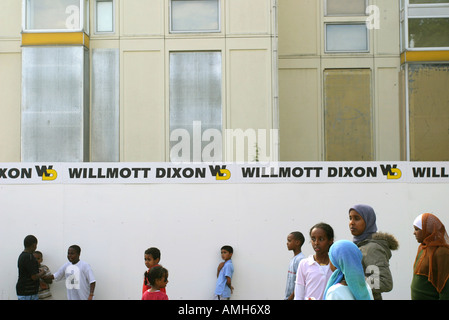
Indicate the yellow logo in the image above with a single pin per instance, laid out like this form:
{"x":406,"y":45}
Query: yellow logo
{"x":225,"y":174}
{"x":394,"y":173}
{"x":49,"y":175}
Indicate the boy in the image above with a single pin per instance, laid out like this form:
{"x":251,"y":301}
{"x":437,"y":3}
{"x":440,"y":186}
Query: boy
{"x":225,"y":270}
{"x":152,"y":257}
{"x":295,"y":240}
{"x":80,"y":281}
{"x":44,"y":285}
{"x":27,"y":286}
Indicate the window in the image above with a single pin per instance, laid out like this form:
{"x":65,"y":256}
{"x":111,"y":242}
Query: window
{"x":348,"y":124}
{"x":195,"y":106}
{"x":345,"y":26}
{"x":104,"y":16}
{"x":428,"y":32}
{"x":345,"y":7}
{"x":347,"y":38}
{"x":195,"y":16}
{"x":424,"y":24}
{"x":59,"y":15}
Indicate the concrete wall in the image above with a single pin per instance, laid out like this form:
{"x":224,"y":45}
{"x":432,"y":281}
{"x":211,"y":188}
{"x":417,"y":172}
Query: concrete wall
{"x":114,"y":224}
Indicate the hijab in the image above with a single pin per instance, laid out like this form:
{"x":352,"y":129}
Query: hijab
{"x":369,"y":216}
{"x":433,"y":263}
{"x":347,"y":259}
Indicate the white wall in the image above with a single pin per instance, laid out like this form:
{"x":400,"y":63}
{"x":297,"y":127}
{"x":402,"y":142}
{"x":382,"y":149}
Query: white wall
{"x":114,"y":224}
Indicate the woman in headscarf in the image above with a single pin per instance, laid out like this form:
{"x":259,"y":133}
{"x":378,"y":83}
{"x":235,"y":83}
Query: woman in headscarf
{"x":375,"y":247}
{"x":431,"y":267}
{"x":348,"y":278}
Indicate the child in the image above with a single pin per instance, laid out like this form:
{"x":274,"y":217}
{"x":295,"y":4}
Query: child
{"x":314,"y":271}
{"x":295,"y":240}
{"x":348,"y":278}
{"x":80,"y":281}
{"x":225,"y":270}
{"x":157,"y":278}
{"x":152,"y":257}
{"x":44,"y":285}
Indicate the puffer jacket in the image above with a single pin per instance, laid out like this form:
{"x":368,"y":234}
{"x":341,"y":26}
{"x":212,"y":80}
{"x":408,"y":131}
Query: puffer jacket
{"x":376,"y":256}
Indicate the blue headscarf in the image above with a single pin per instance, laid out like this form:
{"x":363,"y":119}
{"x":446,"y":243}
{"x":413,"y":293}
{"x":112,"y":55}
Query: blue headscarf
{"x":368,"y":214}
{"x":347,"y":258}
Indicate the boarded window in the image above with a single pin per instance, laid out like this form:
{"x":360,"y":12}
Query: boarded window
{"x":195,"y":104}
{"x":348,"y":124}
{"x":429,"y":112}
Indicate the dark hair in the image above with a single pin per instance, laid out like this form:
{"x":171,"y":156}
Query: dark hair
{"x":29,"y":241}
{"x":327,"y":229}
{"x":76,"y":248}
{"x":228,"y":249}
{"x":155,"y":273}
{"x":298,"y":236}
{"x":155,"y":252}
{"x":38,"y":253}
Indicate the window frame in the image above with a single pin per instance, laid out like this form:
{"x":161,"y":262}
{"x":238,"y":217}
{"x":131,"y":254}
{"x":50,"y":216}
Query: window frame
{"x":170,"y":18}
{"x":417,"y":11}
{"x":327,"y":51}
{"x":83,"y":20}
{"x":326,"y":14}
{"x":96,"y":18}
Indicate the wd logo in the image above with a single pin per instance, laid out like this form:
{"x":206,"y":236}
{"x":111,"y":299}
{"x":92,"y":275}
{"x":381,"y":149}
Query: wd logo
{"x":392,"y":172}
{"x":47,"y":174}
{"x":225,"y":174}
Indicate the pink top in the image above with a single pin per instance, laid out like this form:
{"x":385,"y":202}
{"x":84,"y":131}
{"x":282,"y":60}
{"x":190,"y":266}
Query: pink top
{"x":156,"y":295}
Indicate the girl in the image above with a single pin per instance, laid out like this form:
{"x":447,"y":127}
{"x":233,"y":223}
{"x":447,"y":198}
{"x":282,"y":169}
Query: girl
{"x":431,"y":267}
{"x":314,"y":271}
{"x":348,"y":279}
{"x":158,"y":279}
{"x":375,"y":246}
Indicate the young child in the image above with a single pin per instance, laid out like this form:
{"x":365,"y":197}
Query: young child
{"x":157,"y":278}
{"x":152,"y":257}
{"x":79,"y":277}
{"x":225,"y":270}
{"x":314,"y":271}
{"x":348,"y":278}
{"x":295,"y":240}
{"x":44,"y":284}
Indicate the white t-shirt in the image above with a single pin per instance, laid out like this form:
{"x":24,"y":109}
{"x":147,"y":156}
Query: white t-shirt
{"x":78,"y":278}
{"x":311,"y":279}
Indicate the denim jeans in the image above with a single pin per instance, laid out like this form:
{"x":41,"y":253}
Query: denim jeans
{"x":32,"y":297}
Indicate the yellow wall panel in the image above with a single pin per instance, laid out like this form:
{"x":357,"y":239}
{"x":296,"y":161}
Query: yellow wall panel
{"x":298,"y":27}
{"x":248,"y":17}
{"x":299,"y":114}
{"x":142,"y":17}
{"x":142,"y":110}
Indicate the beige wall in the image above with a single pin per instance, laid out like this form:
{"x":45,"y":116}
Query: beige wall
{"x":302,"y":62}
{"x":143,"y":39}
{"x":10,"y":79}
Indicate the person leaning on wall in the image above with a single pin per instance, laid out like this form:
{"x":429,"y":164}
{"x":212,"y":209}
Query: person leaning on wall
{"x":431,"y":266}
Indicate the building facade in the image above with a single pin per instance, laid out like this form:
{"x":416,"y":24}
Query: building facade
{"x":224,"y":80}
{"x":136,"y":80}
